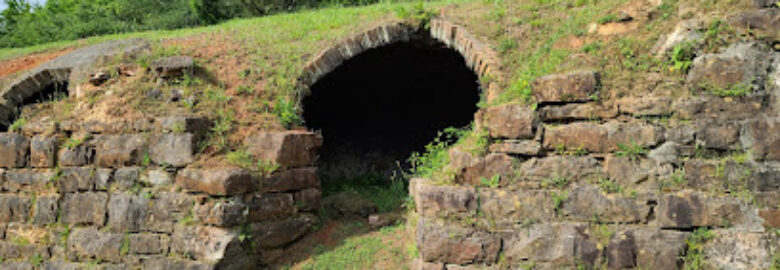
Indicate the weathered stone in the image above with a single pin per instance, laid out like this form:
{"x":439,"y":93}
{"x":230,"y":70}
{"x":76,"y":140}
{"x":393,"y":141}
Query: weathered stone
{"x":764,"y":3}
{"x":349,"y":203}
{"x":659,"y":249}
{"x":383,"y":219}
{"x":510,"y":121}
{"x":525,"y":147}
{"x":669,"y":152}
{"x":45,"y":211}
{"x":763,"y":138}
{"x":771,"y":217}
{"x":570,"y":167}
{"x":167,"y":263}
{"x":645,"y":106}
{"x":459,"y":159}
{"x":165,"y":210}
{"x":718,"y":135}
{"x":80,"y":155}
{"x":126,"y":212}
{"x":680,"y":134}
{"x":622,"y":251}
{"x":723,"y":109}
{"x":293,"y":179}
{"x":633,"y":133}
{"x":288,"y":149}
{"x":689,"y":209}
{"x":221,"y":213}
{"x":642,"y":173}
{"x":734,"y":249}
{"x":16,"y":266}
{"x":14,"y":208}
{"x":739,"y":64}
{"x":271,"y":206}
{"x":84,"y":208}
{"x":27,"y":180}
{"x":760,"y":22}
{"x":15,"y":149}
{"x":158,"y":178}
{"x":685,"y":32}
{"x":576,"y":86}
{"x":22,"y":251}
{"x":308,"y":199}
{"x":146,"y":244}
{"x":126,"y":178}
{"x":89,"y":243}
{"x":576,"y":111}
{"x":210,"y":244}
{"x":493,"y":165}
{"x":434,"y":200}
{"x":115,"y":151}
{"x":587,"y":136}
{"x":510,"y":210}
{"x":561,"y":244}
{"x":196,"y":125}
{"x":216,"y":181}
{"x":42,"y":151}
{"x":585,"y":202}
{"x":271,"y":234}
{"x":173,"y":67}
{"x":176,"y":150}
{"x":453,"y":244}
{"x":84,"y":179}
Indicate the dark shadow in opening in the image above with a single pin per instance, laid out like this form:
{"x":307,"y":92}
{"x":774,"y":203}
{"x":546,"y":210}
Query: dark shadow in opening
{"x":382,"y":105}
{"x":54,"y":91}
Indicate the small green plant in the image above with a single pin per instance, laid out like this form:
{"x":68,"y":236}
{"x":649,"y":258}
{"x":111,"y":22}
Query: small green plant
{"x":245,"y":90}
{"x":287,"y":113}
{"x":607,"y":19}
{"x":492,"y":182}
{"x":591,"y":47}
{"x":36,"y":260}
{"x":418,"y":14}
{"x":146,"y":159}
{"x":17,"y":125}
{"x":507,"y":44}
{"x":694,"y":257}
{"x":633,"y":150}
{"x":124,"y":249}
{"x":602,"y":233}
{"x":556,"y":181}
{"x":244,"y":159}
{"x":72,"y":142}
{"x":609,"y":186}
{"x":435,"y":157}
{"x":681,"y":58}
{"x":558,"y":199}
{"x":735,"y":90}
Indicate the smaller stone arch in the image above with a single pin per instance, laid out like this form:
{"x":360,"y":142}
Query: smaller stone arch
{"x":76,"y":66}
{"x":480,"y":57}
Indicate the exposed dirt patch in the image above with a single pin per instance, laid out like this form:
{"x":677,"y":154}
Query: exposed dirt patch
{"x":26,"y":62}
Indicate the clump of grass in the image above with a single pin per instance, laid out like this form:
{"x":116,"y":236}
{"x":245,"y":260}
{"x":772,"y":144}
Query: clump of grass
{"x":558,"y":199}
{"x":681,"y":58}
{"x":74,"y":142}
{"x":244,"y":159}
{"x":435,"y":157}
{"x":609,"y":186}
{"x":492,"y":182}
{"x":608,"y":19}
{"x":556,"y":181}
{"x":17,"y":125}
{"x":694,"y":257}
{"x":735,"y":90}
{"x":387,"y":193}
{"x":632,"y":150}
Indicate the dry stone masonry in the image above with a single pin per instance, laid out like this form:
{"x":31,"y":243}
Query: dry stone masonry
{"x":617,"y":184}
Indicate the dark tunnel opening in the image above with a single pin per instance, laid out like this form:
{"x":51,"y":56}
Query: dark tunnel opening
{"x":379,"y":107}
{"x":53,"y":91}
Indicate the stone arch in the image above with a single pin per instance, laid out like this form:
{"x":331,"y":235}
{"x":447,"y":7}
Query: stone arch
{"x":64,"y":73}
{"x":421,"y":81}
{"x":478,"y":55}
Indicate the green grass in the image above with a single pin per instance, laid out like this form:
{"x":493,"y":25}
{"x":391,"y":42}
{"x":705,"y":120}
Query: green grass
{"x":366,"y":252}
{"x":694,"y":256}
{"x":735,"y":90}
{"x":632,"y":150}
{"x":387,"y":194}
{"x":17,"y":125}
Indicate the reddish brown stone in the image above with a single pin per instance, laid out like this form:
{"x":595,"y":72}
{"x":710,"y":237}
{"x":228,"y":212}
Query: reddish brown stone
{"x":493,"y":165}
{"x":289,"y":148}
{"x":771,"y":217}
{"x":511,"y":121}
{"x":216,"y":181}
{"x":576,"y":86}
{"x":294,"y":179}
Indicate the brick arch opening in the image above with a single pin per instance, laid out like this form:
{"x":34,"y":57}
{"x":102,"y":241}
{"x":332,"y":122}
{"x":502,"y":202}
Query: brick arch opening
{"x":386,"y":93}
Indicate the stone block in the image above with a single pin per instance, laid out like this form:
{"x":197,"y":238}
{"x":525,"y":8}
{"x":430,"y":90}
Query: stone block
{"x":27,"y":180}
{"x":196,"y":125}
{"x":739,"y":64}
{"x":440,"y":243}
{"x":307,"y":199}
{"x":165,"y":210}
{"x":209,"y":244}
{"x":23,"y":252}
{"x":688,"y":209}
{"x":80,"y":155}
{"x":736,"y":249}
{"x":289,"y":149}
{"x":560,"y":244}
{"x":114,"y":151}
{"x":15,"y":149}
{"x":762,"y":138}
{"x":84,"y":208}
{"x":45,"y":211}
{"x":127,"y":177}
{"x":510,"y":121}
{"x":271,"y":206}
{"x":127,"y":212}
{"x":587,"y":201}
{"x":714,"y":134}
{"x":576,"y":111}
{"x":177,"y":150}
{"x":645,"y":106}
{"x":14,"y":208}
{"x":293,"y":179}
{"x":571,"y":167}
{"x":602,"y":138}
{"x":148,"y":244}
{"x":84,"y":179}
{"x":659,"y":249}
{"x":42,"y":151}
{"x":570,"y":87}
{"x":517,"y":147}
{"x":173,"y":67}
{"x":158,"y":177}
{"x":492,"y":165}
{"x":88,"y":243}
{"x":220,"y":213}
{"x":277,"y":233}
{"x":216,"y":181}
